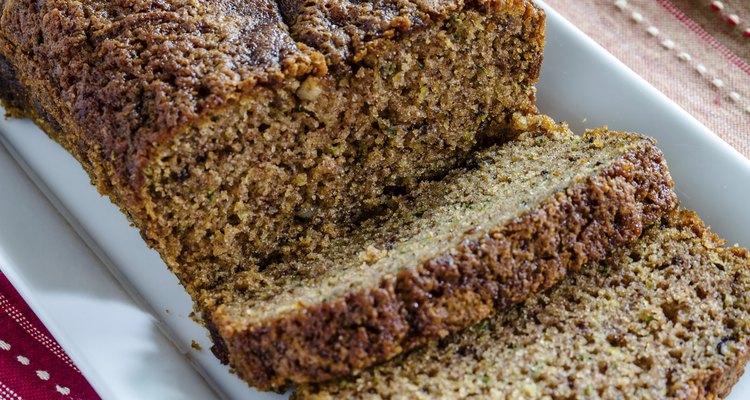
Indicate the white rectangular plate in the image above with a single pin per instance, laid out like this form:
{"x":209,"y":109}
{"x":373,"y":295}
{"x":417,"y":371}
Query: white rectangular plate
{"x":116,"y":343}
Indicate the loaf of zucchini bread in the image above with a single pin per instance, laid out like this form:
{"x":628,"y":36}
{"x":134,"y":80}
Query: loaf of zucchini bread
{"x":454,"y":251}
{"x":323,"y":176}
{"x":665,"y":318}
{"x":223,"y":128}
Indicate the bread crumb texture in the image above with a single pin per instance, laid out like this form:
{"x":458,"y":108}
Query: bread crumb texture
{"x":512,"y":222}
{"x":240,"y":135}
{"x":234,"y":133}
{"x":667,"y":317}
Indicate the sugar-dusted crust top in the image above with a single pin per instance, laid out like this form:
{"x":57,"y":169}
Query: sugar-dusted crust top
{"x":125,"y":74}
{"x":345,"y":30}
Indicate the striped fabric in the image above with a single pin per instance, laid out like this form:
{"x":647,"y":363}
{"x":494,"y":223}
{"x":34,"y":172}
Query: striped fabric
{"x":32,"y":365}
{"x":697,"y":52}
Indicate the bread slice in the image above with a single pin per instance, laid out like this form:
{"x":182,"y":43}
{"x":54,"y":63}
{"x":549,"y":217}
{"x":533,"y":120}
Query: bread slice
{"x":668,"y":317}
{"x":448,"y":255}
{"x":222,"y":128}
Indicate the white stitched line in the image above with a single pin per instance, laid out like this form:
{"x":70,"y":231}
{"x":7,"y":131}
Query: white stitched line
{"x":670,"y":44}
{"x":62,"y":389}
{"x":8,"y":393}
{"x":35,"y":333}
{"x":730,"y":17}
{"x":685,"y":56}
{"x":43,"y":375}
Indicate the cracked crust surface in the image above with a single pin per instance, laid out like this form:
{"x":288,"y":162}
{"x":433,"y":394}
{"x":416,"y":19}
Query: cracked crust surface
{"x":667,"y":317}
{"x":345,"y":31}
{"x":122,"y":76}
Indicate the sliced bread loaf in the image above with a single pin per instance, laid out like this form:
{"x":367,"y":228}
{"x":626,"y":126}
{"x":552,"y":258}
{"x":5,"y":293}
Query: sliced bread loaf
{"x":222,"y":128}
{"x":446,"y":256}
{"x":668,"y":317}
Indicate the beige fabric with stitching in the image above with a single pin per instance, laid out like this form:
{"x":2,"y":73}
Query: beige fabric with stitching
{"x":629,"y":41}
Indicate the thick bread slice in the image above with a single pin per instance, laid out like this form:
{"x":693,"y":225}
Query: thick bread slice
{"x":452,"y":253}
{"x":668,"y":317}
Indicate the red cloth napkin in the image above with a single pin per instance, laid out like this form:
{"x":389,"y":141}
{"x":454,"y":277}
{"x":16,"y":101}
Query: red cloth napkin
{"x":32,"y":365}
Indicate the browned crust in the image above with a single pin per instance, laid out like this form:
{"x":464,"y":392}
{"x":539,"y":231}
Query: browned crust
{"x":12,"y":94}
{"x":121,"y":78}
{"x":713,"y":383}
{"x":459,"y":288}
{"x":717,"y":383}
{"x":14,"y":97}
{"x":346,"y":30}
